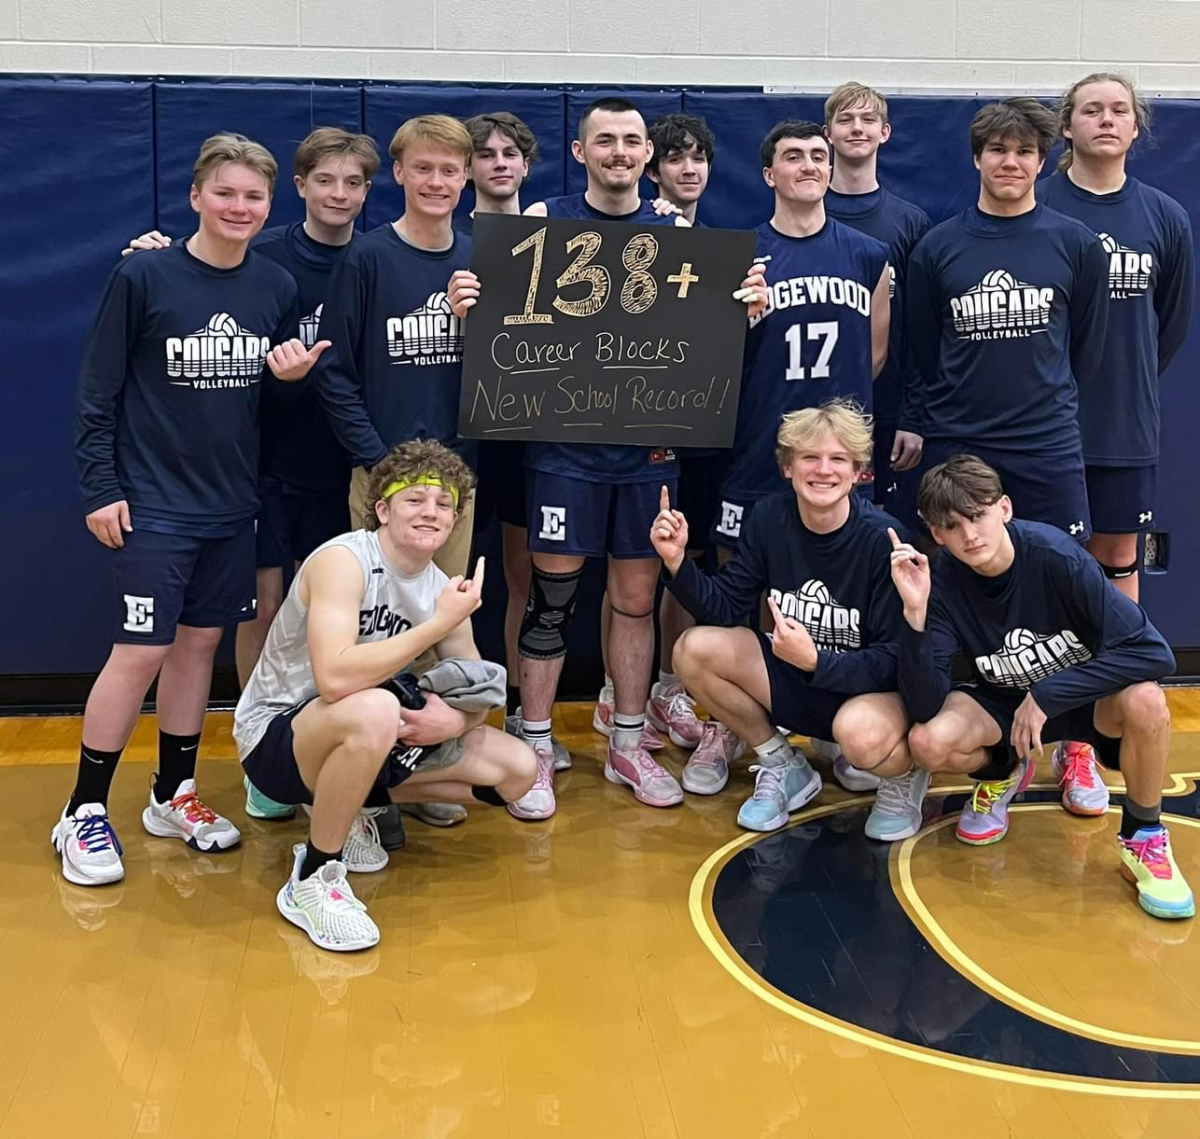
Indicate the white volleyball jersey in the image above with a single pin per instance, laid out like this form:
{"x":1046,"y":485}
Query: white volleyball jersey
{"x":283,"y":677}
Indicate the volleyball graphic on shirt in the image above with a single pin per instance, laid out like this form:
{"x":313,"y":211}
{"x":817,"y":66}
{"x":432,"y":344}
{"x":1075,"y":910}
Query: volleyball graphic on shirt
{"x":221,"y":350}
{"x":1001,"y":307}
{"x":1130,"y":273}
{"x":830,"y":624}
{"x":430,"y":334}
{"x":1028,"y":657}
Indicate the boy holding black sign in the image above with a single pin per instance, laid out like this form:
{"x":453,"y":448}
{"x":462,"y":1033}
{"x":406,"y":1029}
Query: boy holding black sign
{"x":595,"y":500}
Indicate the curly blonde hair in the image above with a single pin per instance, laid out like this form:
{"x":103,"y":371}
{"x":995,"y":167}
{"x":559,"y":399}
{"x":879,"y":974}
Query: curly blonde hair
{"x":411,"y":460}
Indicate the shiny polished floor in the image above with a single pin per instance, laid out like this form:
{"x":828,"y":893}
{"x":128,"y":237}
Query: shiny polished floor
{"x":617,"y":972}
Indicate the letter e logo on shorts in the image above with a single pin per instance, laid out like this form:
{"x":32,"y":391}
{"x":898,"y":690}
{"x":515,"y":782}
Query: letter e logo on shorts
{"x":554,"y":524}
{"x":139,"y":614}
{"x":731,"y":519}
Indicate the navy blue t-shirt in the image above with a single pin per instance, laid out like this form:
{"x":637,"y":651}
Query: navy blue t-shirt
{"x":167,"y":414}
{"x":811,"y":343}
{"x":899,"y":225}
{"x":1006,"y":317}
{"x":1051,"y":624}
{"x":394,"y":371}
{"x":299,"y":450}
{"x":837,"y":585}
{"x":1147,"y":238}
{"x":603,"y":462}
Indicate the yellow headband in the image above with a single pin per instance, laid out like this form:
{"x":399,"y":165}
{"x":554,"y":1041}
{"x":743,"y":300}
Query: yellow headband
{"x":427,"y":479}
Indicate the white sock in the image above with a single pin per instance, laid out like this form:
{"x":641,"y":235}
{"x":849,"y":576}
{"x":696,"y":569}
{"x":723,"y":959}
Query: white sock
{"x":775,"y":752}
{"x":627,"y":732}
{"x":535,"y":729}
{"x":667,"y":680}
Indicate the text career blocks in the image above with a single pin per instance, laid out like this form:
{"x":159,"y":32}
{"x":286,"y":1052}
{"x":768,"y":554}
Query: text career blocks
{"x":604,"y":332}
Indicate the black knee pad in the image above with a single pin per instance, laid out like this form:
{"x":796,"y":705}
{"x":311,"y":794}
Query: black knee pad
{"x":1115,"y":573}
{"x":489,"y":795}
{"x":1108,"y":750}
{"x":551,"y":604}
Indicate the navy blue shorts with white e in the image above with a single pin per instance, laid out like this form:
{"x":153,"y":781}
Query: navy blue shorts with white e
{"x":796,"y":704}
{"x":590,"y":519}
{"x":1122,"y":498}
{"x":165,"y":580}
{"x":1049,"y":489}
{"x":292,"y":525}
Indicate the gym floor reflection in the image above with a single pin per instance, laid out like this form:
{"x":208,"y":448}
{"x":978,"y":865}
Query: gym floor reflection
{"x":618,"y":972}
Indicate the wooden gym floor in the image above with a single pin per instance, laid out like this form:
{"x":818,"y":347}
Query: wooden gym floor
{"x":616,"y":972}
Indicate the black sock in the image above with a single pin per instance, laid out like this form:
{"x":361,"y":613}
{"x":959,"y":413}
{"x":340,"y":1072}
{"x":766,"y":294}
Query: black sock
{"x":96,"y":771}
{"x":512,"y":701}
{"x":1002,"y":761}
{"x":314,"y":859}
{"x":1134,"y":816}
{"x":176,"y":762}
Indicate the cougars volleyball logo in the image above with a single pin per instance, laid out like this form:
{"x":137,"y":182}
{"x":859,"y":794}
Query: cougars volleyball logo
{"x":1001,"y":308}
{"x":1028,"y":657}
{"x":431,"y":334}
{"x":219,"y":355}
{"x":1129,"y":272}
{"x":830,"y":624}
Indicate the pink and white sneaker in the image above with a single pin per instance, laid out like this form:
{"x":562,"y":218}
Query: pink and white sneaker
{"x":671,"y":710}
{"x":603,"y":716}
{"x":1074,"y":766}
{"x":185,"y":817}
{"x":707,"y":769}
{"x":90,"y":849}
{"x":538,"y":802}
{"x":652,"y":783}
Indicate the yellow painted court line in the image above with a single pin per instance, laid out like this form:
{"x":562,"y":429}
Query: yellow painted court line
{"x":704,"y":921}
{"x":985,"y":980}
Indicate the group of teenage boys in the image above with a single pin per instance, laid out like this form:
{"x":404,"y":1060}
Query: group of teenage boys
{"x":1011,"y":354}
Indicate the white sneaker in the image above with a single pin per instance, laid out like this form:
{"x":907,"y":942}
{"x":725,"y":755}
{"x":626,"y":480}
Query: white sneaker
{"x":324,"y":906}
{"x":852,"y":778}
{"x":562,"y":757}
{"x":363,"y":853}
{"x":538,"y":802}
{"x":186,"y":817}
{"x":91,"y":852}
{"x":896,"y":812}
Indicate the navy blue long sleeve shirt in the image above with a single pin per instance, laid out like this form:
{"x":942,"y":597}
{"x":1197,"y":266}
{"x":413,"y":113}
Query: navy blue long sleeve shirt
{"x":1051,"y":624}
{"x":837,"y":585}
{"x":299,"y":450}
{"x":1147,"y":239}
{"x":603,"y":462}
{"x":1006,"y":318}
{"x":899,"y":225}
{"x":394,"y":371}
{"x":168,"y":400}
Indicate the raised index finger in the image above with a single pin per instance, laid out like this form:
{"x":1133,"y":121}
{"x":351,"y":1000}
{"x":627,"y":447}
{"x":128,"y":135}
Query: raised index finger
{"x":664,"y":499}
{"x":478,"y":579}
{"x":896,"y":543}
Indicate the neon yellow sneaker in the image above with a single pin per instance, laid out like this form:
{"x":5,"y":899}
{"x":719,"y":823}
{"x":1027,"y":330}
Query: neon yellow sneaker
{"x":1146,"y":860}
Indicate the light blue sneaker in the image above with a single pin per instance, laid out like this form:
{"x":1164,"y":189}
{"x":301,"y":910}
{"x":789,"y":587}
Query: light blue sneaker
{"x":778,"y":790}
{"x":260,"y":806}
{"x":896,"y":812}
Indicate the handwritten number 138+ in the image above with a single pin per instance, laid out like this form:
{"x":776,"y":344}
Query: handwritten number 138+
{"x":637,"y":294}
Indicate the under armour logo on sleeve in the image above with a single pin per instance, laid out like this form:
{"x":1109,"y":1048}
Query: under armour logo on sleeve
{"x":1146,"y":516}
{"x":1076,"y":528}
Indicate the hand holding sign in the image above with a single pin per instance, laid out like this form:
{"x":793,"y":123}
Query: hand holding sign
{"x":752,"y":292}
{"x":669,"y":534}
{"x":462,"y":292}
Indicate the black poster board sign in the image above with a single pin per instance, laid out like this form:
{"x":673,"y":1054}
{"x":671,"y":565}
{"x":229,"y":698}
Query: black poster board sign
{"x":604,"y":332}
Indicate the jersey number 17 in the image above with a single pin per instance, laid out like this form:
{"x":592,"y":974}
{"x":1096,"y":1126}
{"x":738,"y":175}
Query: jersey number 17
{"x":825,"y":331}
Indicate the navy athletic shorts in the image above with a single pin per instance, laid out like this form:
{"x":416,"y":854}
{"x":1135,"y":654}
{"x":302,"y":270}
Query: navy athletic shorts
{"x":501,"y":487}
{"x":893,"y":491}
{"x":1050,"y":489}
{"x":700,"y":478}
{"x":1078,"y":724}
{"x":292,"y":525}
{"x":796,"y":703}
{"x":591,"y":519}
{"x":165,"y":580}
{"x":272,"y":766}
{"x":1122,"y":498}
